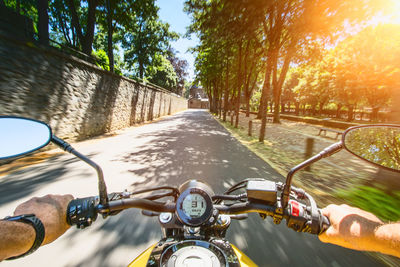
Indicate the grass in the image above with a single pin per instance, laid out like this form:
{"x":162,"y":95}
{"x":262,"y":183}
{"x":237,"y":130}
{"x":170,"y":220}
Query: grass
{"x":326,"y":183}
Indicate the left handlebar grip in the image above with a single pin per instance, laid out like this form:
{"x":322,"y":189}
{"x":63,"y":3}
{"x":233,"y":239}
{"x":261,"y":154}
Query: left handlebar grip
{"x":82,"y":211}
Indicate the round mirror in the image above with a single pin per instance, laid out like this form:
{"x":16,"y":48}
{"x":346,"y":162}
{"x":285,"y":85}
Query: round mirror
{"x":20,"y":136}
{"x":378,"y":144}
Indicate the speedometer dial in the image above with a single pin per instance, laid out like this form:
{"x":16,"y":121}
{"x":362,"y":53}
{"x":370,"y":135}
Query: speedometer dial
{"x":194,"y":205}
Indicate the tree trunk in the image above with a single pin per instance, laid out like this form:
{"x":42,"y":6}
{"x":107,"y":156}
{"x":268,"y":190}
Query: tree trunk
{"x":18,"y":7}
{"x":350,"y":113}
{"x":91,"y":21}
{"x":141,"y":70}
{"x":264,"y":97}
{"x":313,"y":108}
{"x":247,"y":106}
{"x":374,"y":114}
{"x":262,"y":104}
{"x":297,"y":109}
{"x":239,"y":85}
{"x":43,"y":21}
{"x":226,"y":90}
{"x":110,"y":35}
{"x":87,"y":39}
{"x":321,"y":106}
{"x":339,"y":107}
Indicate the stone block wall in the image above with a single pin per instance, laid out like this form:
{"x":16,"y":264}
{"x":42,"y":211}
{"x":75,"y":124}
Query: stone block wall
{"x":77,"y":99}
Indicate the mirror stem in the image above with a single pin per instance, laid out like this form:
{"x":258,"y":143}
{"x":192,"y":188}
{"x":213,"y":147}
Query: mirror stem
{"x":102,"y":185}
{"x":330,"y":150}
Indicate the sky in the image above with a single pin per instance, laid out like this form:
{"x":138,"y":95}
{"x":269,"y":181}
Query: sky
{"x":171,"y":11}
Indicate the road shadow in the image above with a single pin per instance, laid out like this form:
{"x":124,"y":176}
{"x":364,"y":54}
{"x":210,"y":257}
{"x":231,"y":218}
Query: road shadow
{"x":192,"y":145}
{"x":16,"y":185}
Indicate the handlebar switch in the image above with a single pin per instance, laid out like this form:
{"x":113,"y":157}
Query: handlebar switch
{"x":82,"y":211}
{"x":298,"y":216}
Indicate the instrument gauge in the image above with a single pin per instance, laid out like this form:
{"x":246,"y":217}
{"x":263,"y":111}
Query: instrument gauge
{"x":194,"y":205}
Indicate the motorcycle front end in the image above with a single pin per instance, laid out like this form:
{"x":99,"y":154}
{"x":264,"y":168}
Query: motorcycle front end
{"x":194,"y":220}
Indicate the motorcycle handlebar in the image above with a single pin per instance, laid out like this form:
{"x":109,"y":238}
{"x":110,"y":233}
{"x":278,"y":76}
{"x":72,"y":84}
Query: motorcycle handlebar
{"x":82,"y":212}
{"x":140,"y":203}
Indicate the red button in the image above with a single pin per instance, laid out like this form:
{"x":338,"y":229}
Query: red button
{"x":295,"y":208}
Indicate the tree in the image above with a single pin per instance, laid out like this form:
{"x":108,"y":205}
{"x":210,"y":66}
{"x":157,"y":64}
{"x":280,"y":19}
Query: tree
{"x":289,"y":93}
{"x":367,"y":67}
{"x":145,"y":36}
{"x":85,"y":35}
{"x":43,"y":21}
{"x":228,"y":36}
{"x":162,"y":73}
{"x":180,"y":66}
{"x":60,"y":24}
{"x":289,"y":25}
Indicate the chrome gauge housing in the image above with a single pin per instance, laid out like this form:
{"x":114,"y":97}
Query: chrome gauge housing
{"x":194,"y":206}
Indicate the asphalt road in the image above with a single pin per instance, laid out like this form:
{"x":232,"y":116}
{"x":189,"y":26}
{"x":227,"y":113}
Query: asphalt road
{"x":187,"y":145}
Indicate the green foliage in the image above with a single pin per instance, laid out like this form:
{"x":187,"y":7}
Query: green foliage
{"x":355,"y":73}
{"x":133,"y":26}
{"x":101,"y":59}
{"x":144,"y":36}
{"x":255,"y":100}
{"x":375,"y":200}
{"x":162,"y":73}
{"x":246,"y":39}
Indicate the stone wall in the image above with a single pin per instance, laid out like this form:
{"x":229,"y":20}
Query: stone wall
{"x":75,"y":98}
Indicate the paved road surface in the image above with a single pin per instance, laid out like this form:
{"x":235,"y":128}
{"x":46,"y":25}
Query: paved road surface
{"x":188,"y":145}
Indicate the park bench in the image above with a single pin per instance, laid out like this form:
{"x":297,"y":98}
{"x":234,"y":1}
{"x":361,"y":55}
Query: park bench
{"x":330,"y":130}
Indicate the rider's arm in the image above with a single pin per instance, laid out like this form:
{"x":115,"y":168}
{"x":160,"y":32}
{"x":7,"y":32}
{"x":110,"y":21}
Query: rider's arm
{"x":17,"y":237}
{"x":357,"y":229}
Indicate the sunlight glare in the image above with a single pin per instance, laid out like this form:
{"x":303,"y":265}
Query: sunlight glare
{"x":392,"y":18}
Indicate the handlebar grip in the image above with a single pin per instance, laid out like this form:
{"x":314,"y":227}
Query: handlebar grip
{"x":325,"y":223}
{"x":82,"y":211}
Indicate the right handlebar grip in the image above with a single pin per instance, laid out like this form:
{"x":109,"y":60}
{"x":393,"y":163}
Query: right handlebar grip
{"x":325,"y":223}
{"x":82,"y":211}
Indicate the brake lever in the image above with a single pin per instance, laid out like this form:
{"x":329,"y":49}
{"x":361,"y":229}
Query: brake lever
{"x":239,"y":217}
{"x":150,"y":213}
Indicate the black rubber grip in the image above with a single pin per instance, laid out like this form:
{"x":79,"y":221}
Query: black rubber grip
{"x":82,"y":211}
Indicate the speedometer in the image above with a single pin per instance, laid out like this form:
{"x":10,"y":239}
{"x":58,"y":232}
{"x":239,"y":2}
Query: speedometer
{"x":194,"y":205}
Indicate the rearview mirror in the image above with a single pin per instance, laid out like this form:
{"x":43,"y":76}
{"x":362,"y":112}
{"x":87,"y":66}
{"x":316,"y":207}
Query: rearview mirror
{"x":19,"y":136}
{"x":378,"y":144}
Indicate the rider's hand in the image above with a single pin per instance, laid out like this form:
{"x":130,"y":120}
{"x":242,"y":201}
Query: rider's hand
{"x":350,"y":227}
{"x":51,"y":210}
